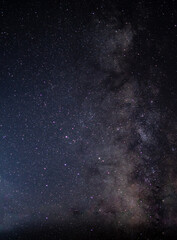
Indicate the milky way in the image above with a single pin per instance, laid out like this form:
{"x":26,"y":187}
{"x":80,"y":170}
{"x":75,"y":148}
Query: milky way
{"x":88,"y":120}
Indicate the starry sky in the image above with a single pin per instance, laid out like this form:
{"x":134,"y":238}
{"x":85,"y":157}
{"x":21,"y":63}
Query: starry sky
{"x":88,"y":124}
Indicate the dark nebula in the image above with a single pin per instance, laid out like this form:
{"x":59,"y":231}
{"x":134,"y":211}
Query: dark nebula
{"x":88,"y":120}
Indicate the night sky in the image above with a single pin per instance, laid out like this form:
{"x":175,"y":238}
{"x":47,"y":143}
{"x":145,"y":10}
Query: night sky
{"x":88,"y":114}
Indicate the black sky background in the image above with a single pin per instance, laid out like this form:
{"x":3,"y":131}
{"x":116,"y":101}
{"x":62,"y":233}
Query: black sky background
{"x":88,"y":114}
